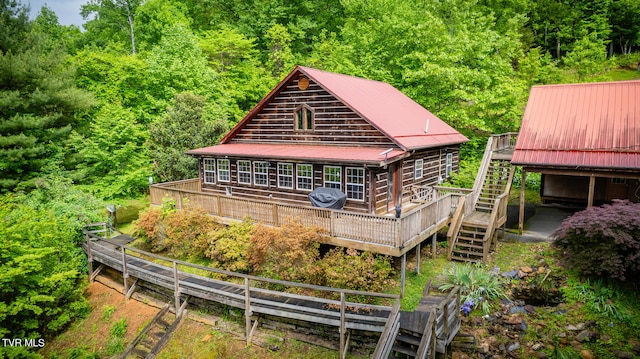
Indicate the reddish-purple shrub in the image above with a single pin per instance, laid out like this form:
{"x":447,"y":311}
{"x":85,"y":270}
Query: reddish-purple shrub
{"x":602,"y":241}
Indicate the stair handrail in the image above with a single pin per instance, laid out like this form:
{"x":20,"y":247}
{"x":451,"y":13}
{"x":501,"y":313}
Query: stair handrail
{"x":456,"y":223}
{"x":383,"y":348}
{"x":488,"y":235}
{"x":482,"y":171}
{"x":423,"y":348}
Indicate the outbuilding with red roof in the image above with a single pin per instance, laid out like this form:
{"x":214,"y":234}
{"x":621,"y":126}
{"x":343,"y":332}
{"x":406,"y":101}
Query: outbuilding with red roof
{"x":584,"y":139}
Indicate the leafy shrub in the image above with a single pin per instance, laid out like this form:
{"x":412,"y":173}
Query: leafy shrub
{"x":150,"y":228}
{"x":478,"y":286}
{"x":288,"y":253}
{"x":228,"y":246}
{"x":184,"y":229}
{"x":602,"y":241}
{"x":357,"y":270}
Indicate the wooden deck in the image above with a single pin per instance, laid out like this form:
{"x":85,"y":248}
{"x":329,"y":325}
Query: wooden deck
{"x":367,"y":232}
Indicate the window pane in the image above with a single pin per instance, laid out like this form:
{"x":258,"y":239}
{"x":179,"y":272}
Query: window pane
{"x":333,"y":177}
{"x":355,"y":183}
{"x":285,"y":175}
{"x":449,"y":165}
{"x":209,"y":169}
{"x":309,"y":120}
{"x":224,"y":171}
{"x":304,"y":177}
{"x":300,"y":117}
{"x":244,"y":172}
{"x":260,"y":174}
{"x":419,"y":168}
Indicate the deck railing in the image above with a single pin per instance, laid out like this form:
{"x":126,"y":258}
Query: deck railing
{"x":379,"y":231}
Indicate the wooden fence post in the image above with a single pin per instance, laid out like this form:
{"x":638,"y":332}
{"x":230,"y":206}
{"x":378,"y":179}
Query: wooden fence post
{"x":125,"y":275}
{"x":247,"y":309}
{"x":90,"y":257}
{"x":418,"y":258}
{"x":402,"y":274}
{"x":342,"y":324}
{"x":176,"y":287}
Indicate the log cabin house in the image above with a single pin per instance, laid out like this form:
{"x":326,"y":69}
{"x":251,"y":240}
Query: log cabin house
{"x":321,"y":129}
{"x":584,"y":139}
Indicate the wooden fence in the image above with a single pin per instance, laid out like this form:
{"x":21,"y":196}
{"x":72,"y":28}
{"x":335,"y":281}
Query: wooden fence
{"x":241,"y":291}
{"x":381,"y":234}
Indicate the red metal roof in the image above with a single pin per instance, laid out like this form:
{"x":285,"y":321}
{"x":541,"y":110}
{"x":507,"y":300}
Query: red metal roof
{"x":393,"y":113}
{"x":592,"y":125}
{"x":370,"y":155}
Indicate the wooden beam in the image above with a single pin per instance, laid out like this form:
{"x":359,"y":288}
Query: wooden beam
{"x":131,"y":290}
{"x":402,"y":274}
{"x":592,"y":185}
{"x":521,"y":207}
{"x":434,"y":238}
{"x":125,"y":274}
{"x":418,"y":258}
{"x":176,"y":286}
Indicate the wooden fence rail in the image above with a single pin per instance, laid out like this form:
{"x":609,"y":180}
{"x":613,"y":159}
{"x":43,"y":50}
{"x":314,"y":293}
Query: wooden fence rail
{"x":243,"y":291}
{"x":381,"y":234}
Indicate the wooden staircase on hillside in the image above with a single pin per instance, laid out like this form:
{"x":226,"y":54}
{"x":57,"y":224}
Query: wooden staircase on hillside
{"x":478,"y":216}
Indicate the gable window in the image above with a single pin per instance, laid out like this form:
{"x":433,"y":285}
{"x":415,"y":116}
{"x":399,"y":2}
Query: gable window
{"x":304,"y":177}
{"x":419,"y":168}
{"x":449,"y":165}
{"x":224,"y":171}
{"x":209,"y":170}
{"x":333,"y":177}
{"x":244,"y":172}
{"x":303,"y":117}
{"x":285,"y":175}
{"x":355,"y":183}
{"x":261,"y":173}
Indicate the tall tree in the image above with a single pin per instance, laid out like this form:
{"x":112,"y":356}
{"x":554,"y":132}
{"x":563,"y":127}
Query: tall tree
{"x":14,"y":24}
{"x":188,"y":124}
{"x":112,"y":19}
{"x":39,"y":105}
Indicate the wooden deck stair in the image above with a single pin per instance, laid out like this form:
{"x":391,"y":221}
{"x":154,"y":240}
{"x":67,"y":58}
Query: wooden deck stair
{"x":474,"y":229}
{"x":424,"y":332}
{"x":155,"y":335}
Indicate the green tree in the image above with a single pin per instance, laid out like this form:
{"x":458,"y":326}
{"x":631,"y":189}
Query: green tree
{"x":39,"y":105}
{"x":587,"y":57}
{"x":154,"y":17}
{"x":114,"y":161}
{"x":190,"y":123}
{"x":112,"y":19}
{"x":14,"y":25}
{"x":41,"y":264}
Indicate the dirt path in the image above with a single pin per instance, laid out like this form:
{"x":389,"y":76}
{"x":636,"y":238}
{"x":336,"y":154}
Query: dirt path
{"x":92,"y":334}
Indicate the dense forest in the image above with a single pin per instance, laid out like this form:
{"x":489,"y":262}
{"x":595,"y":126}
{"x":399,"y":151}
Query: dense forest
{"x":88,"y":115}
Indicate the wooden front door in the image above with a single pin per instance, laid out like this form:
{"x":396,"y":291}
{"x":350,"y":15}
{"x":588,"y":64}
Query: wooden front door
{"x":394,"y":186}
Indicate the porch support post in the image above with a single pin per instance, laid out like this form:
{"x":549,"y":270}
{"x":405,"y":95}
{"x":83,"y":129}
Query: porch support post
{"x":125,"y":274}
{"x":403,"y":271}
{"x":521,"y":208}
{"x":433,"y":244}
{"x":418,"y":258}
{"x":592,"y":186}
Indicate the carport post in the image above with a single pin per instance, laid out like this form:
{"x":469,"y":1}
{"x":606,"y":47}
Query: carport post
{"x":521,"y":208}
{"x":592,"y":185}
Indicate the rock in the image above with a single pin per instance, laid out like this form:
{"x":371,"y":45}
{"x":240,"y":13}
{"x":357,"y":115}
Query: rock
{"x":536,"y":347}
{"x":517,"y":309}
{"x":514,"y":320}
{"x":572,"y":328}
{"x":530,"y":308}
{"x":483,"y":348}
{"x":526,"y":269}
{"x":562,"y":335}
{"x":605,"y":338}
{"x":580,"y":326}
{"x":274,"y":347}
{"x":459,"y":355}
{"x":583,"y":335}
{"x":541,"y":355}
{"x":521,"y":274}
{"x":207,"y":337}
{"x":513,"y":347}
{"x":511,"y":274}
{"x":622,"y":355}
{"x":541,"y":270}
{"x":586,"y":354}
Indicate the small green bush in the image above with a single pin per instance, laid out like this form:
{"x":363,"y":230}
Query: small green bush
{"x":228,"y":246}
{"x":478,"y":286}
{"x":602,"y":241}
{"x":355,"y":270}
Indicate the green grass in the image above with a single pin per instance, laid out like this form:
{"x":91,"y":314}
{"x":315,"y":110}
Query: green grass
{"x":415,"y":283}
{"x":623,"y":75}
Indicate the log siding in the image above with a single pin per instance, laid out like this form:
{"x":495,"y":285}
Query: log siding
{"x":332,"y":122}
